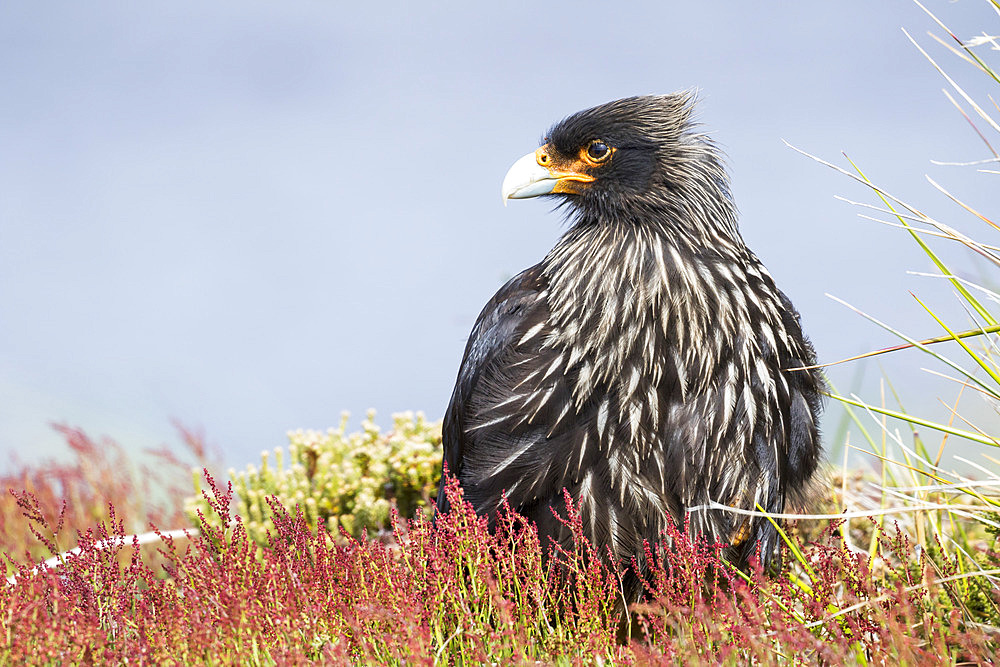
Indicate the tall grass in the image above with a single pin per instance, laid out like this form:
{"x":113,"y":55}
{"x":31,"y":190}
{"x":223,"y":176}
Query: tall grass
{"x":951,"y":518}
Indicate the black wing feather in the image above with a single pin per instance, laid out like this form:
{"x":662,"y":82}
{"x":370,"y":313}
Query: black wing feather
{"x":498,"y":327}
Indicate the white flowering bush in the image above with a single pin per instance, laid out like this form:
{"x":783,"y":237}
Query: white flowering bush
{"x":342,"y":480}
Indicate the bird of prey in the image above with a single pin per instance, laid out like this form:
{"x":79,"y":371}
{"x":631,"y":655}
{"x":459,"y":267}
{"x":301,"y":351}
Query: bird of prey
{"x":645,"y":364}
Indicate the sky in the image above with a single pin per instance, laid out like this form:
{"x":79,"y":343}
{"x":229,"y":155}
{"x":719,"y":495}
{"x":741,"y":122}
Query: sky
{"x":248,"y":217}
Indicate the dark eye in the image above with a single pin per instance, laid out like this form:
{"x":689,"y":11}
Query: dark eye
{"x":598,"y":150}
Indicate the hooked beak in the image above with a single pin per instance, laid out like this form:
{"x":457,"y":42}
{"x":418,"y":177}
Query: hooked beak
{"x":538,"y":174}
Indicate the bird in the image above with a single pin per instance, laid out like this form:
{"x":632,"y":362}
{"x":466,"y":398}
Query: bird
{"x":648,"y":365}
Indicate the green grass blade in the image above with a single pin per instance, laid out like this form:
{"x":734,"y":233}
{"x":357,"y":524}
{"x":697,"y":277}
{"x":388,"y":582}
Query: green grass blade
{"x":966,"y":294}
{"x":977,"y":358}
{"x":968,"y":435}
{"x":993,"y":391}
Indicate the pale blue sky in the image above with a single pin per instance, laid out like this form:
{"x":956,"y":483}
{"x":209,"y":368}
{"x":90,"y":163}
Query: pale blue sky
{"x":251,"y":216}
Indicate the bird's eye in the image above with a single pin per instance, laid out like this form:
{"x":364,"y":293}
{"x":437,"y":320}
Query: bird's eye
{"x":598,"y":151}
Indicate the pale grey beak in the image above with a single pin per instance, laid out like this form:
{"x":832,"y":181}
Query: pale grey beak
{"x":526,"y":178}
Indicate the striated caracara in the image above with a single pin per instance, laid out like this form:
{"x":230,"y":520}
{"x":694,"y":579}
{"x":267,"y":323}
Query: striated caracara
{"x":643,"y":363}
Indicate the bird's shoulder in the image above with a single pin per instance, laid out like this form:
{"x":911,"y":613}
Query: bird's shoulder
{"x":509,"y":325}
{"x":516,"y":307}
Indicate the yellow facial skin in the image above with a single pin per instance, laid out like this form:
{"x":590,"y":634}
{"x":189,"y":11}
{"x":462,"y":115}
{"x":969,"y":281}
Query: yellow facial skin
{"x":547,"y":171}
{"x":572,"y":175}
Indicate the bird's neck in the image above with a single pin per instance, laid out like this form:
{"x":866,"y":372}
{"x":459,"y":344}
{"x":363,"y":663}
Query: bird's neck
{"x":619,"y":293}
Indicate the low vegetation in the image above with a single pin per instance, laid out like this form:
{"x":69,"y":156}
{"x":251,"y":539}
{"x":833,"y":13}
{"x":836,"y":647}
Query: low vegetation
{"x":451,"y":591}
{"x":342,"y":481}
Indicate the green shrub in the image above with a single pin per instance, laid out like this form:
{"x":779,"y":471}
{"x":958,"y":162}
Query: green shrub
{"x":348,"y":481}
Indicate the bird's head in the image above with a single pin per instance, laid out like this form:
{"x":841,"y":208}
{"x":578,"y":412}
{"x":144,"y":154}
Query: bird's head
{"x":628,"y":159}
